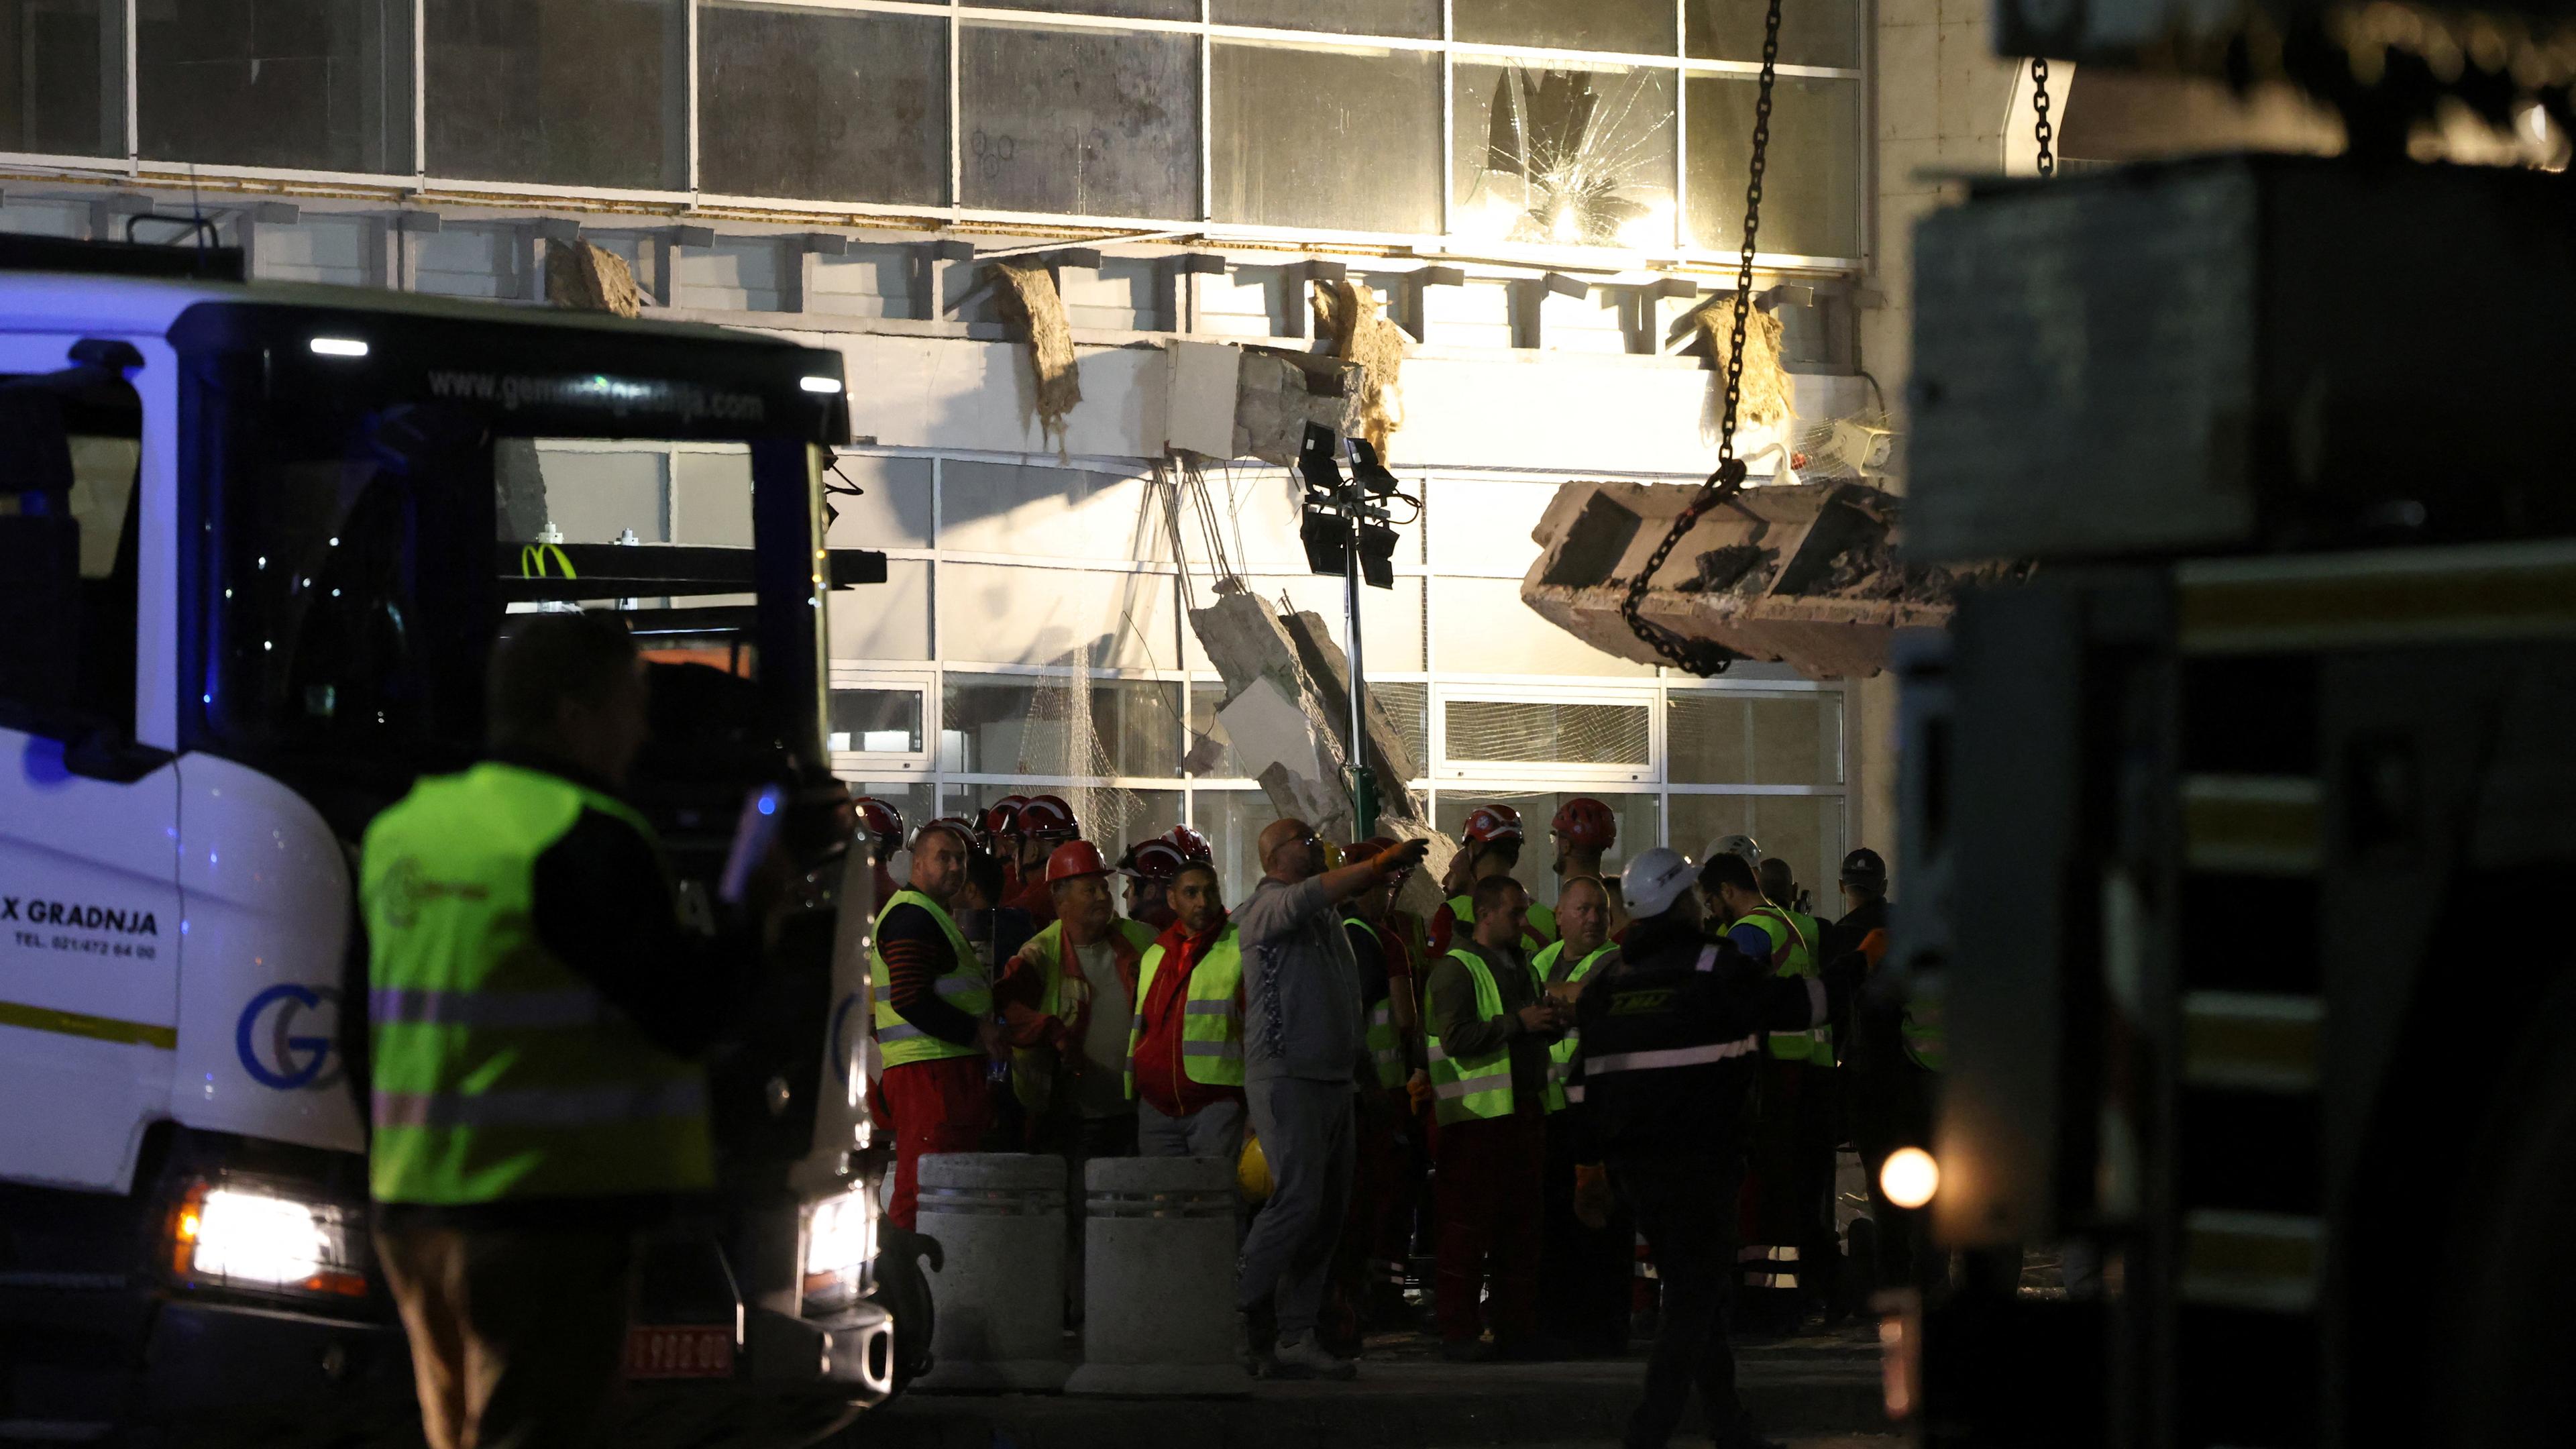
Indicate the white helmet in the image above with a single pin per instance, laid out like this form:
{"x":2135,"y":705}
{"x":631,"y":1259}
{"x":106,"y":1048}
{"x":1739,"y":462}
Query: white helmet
{"x":1734,"y":845}
{"x":1654,"y":880}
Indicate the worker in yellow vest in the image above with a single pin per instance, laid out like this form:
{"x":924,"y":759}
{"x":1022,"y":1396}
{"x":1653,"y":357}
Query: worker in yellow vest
{"x":1066,"y":999}
{"x":1585,"y":1273}
{"x":1185,"y":1042}
{"x":1584,"y":831}
{"x":935,"y":1028}
{"x":535,"y":1013}
{"x":1489,"y":846}
{"x":1491,"y":1025}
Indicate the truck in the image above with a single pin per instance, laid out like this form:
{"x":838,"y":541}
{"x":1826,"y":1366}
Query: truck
{"x":256,"y":542}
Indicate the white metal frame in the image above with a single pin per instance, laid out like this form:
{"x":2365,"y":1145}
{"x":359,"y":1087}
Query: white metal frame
{"x":126,"y":161}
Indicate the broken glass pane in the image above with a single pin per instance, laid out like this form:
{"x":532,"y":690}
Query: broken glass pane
{"x":833,"y":106}
{"x":1086,"y":122}
{"x":1810,"y":176}
{"x":1569,"y":157}
{"x":1297,"y":126}
{"x":324,"y":85}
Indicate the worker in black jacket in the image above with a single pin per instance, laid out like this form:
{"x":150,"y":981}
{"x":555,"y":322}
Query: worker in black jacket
{"x":1672,"y":1036}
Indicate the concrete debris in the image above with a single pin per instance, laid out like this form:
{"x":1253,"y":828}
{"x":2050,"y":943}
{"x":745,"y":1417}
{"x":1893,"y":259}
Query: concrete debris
{"x":1286,"y":702}
{"x":1278,"y":393}
{"x":1349,"y":313}
{"x":1804,"y":573}
{"x":1028,"y":302}
{"x":591,"y":279}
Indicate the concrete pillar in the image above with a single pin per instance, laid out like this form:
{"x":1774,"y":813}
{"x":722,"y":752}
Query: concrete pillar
{"x":1158,"y":1256}
{"x":999,"y":1302}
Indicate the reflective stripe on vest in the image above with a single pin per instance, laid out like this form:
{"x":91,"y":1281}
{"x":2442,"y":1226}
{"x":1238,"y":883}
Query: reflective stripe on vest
{"x":1479,"y":1086}
{"x":1560,"y":1055}
{"x":1211,"y":1013}
{"x":1385,"y":1048}
{"x":1921,"y":1033}
{"x":965,"y":987}
{"x":499,"y":1074}
{"x":1033,"y":1069}
{"x":1791,"y":956}
{"x":1691,"y":1056}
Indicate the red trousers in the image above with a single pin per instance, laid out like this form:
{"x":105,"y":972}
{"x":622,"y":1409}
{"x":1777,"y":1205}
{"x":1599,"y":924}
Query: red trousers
{"x":1487,"y":1199}
{"x":941,"y":1106}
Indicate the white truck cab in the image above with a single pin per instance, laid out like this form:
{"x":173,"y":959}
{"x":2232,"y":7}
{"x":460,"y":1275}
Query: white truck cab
{"x":255,"y":544}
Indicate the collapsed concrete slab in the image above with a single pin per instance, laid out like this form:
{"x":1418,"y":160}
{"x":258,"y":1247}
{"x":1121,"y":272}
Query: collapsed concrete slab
{"x":1802,"y":573}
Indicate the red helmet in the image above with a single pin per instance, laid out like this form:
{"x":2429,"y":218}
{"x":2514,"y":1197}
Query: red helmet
{"x":1488,"y":823}
{"x":1191,"y":844}
{"x":1154,"y":860}
{"x":880,"y":820}
{"x":1002,"y":817}
{"x":1586,"y":822}
{"x":1075,"y":858}
{"x":1045,"y":815}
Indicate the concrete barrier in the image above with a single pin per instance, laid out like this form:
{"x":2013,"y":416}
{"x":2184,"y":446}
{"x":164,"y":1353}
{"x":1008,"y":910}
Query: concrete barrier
{"x":1158,"y":1316}
{"x":999,"y":1302}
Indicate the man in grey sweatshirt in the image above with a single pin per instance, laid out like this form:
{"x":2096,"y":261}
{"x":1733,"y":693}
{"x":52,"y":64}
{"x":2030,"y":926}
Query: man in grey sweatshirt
{"x":1304,"y":1056}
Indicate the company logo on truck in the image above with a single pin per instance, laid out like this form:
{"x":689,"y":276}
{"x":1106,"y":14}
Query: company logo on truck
{"x":271,"y":1050}
{"x":32,"y":912}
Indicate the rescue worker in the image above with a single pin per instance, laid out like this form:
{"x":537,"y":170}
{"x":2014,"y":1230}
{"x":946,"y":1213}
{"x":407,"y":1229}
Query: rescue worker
{"x":998,"y":830}
{"x":1304,"y":1058}
{"x":883,"y":825}
{"x":1671,"y":1036}
{"x":1807,"y":1102}
{"x":1489,"y":845}
{"x":1185,"y":1044}
{"x":1191,"y":844}
{"x":1148,"y":867}
{"x":935,"y":1028}
{"x":535,"y":1012}
{"x":1045,"y":823}
{"x":1067,"y":999}
{"x":1491,"y":1026}
{"x":1889,"y":1057}
{"x":1582,"y":832}
{"x":996,"y":931}
{"x":1584,"y":1272}
{"x":1386,"y":1141}
{"x":1778,"y":1232}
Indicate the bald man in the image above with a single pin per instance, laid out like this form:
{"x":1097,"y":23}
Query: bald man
{"x":1305,"y":1057}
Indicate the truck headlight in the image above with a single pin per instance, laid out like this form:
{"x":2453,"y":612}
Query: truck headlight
{"x":236,"y":1235}
{"x":840,"y":1242}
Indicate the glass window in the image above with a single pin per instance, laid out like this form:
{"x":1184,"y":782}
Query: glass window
{"x":1089,"y":122}
{"x":834,"y":106}
{"x":69,"y":527}
{"x":874,"y":721}
{"x":1127,"y":9}
{"x":1812,"y":32}
{"x":1480,"y":626}
{"x":1805,"y":830}
{"x":1636,"y":27}
{"x":711,"y":496}
{"x":1213,"y":754}
{"x":1006,"y":724}
{"x":1732,"y":738}
{"x":322,"y":84}
{"x":1412,"y":19}
{"x":1052,"y":512}
{"x":890,"y":509}
{"x":1390,"y":619}
{"x":1517,"y":731}
{"x":1810,"y":176}
{"x":1232,"y":821}
{"x":564,"y":92}
{"x":601,"y":497}
{"x":890,"y":620}
{"x":62,"y":77}
{"x":1013,"y":614}
{"x":1327,"y":137}
{"x":1566,"y":157}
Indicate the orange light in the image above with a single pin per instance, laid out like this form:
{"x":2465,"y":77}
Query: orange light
{"x":187,"y":1226}
{"x":1909,"y":1177}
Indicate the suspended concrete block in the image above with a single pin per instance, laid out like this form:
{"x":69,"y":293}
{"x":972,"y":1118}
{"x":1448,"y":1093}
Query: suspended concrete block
{"x":1158,"y":1313}
{"x":999,"y":1302}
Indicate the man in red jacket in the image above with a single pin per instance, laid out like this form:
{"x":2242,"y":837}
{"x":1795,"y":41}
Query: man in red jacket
{"x":1185,"y":1066}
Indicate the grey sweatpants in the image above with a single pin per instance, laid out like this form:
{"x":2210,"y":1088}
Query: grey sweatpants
{"x":1215,"y":1130}
{"x":1306,"y":1132}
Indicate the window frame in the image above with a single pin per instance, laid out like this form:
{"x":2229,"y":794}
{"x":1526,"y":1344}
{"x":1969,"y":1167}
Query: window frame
{"x":911,"y":766}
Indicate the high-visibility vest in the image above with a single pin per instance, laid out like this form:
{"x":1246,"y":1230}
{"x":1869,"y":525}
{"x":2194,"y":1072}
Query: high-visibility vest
{"x":1385,"y":1048}
{"x":1793,"y":955}
{"x":500,"y":1073}
{"x":1560,"y":1056}
{"x":1211,"y":1013}
{"x":1539,"y":924}
{"x":1033,"y":1068}
{"x":967,"y":988}
{"x":1463,"y":1089}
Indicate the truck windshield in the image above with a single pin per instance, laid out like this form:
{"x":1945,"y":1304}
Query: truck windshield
{"x":364,"y":570}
